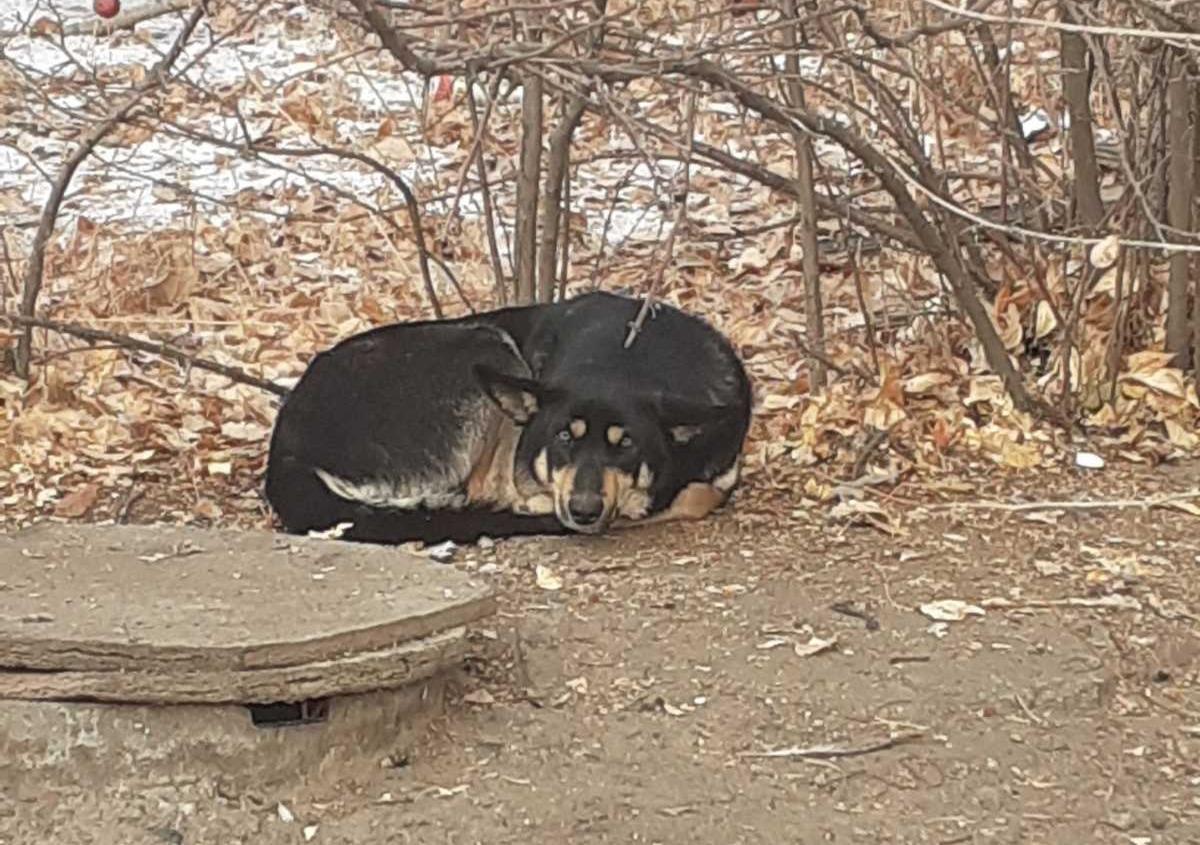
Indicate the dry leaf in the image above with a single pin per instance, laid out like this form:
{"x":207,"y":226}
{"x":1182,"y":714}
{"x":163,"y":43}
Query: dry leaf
{"x":1020,"y":455}
{"x":1009,"y":328}
{"x":1046,"y":322}
{"x":78,"y":502}
{"x":1182,"y":436}
{"x":1168,"y":380}
{"x":815,"y":645}
{"x":1104,"y":254}
{"x":883,"y":415}
{"x":751,"y":258}
{"x":249,"y":431}
{"x":394,"y":148}
{"x":1186,"y":506}
{"x":927,"y":382}
{"x":776,"y":402}
{"x":207,"y":509}
{"x":950,"y":610}
{"x":546,"y":579}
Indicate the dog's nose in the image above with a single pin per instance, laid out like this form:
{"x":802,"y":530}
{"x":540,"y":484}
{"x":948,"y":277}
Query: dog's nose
{"x":585,"y":508}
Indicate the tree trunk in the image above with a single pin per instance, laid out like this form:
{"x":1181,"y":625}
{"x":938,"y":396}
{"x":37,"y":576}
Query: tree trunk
{"x":556,"y":175}
{"x":1179,"y":208}
{"x":1077,"y":86}
{"x":1195,"y":275}
{"x":814,"y":325}
{"x":525,"y":246}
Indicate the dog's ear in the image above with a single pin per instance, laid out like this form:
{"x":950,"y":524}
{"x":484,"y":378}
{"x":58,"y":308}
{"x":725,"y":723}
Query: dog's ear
{"x":519,"y":398}
{"x":684,"y":419}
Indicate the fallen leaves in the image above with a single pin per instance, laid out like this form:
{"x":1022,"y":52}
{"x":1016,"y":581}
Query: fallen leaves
{"x":814,"y":646}
{"x":950,"y":610}
{"x":546,"y":579}
{"x":1104,"y":253}
{"x":268,"y":293}
{"x":78,"y":502}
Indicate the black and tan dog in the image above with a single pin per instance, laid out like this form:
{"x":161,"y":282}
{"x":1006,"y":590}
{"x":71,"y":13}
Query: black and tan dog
{"x":524,"y":420}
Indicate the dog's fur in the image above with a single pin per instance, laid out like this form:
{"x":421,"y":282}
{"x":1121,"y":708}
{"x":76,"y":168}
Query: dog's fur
{"x":525,"y":420}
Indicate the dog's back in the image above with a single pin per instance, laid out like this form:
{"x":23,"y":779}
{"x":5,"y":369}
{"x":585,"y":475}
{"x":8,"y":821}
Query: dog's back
{"x":385,"y":429}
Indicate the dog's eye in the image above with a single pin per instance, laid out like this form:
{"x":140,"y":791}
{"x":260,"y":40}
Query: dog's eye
{"x":626,"y":442}
{"x":565,"y":435}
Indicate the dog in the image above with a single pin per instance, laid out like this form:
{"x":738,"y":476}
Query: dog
{"x":524,"y":420}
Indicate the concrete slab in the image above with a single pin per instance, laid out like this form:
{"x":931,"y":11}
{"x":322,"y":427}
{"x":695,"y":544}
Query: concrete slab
{"x":170,"y":614}
{"x":111,"y":749}
{"x":148,"y":657}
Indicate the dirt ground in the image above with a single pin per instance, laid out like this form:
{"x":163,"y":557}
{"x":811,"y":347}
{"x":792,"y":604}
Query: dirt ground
{"x":641,"y":701}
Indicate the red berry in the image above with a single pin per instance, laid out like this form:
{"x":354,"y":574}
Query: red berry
{"x":106,"y":8}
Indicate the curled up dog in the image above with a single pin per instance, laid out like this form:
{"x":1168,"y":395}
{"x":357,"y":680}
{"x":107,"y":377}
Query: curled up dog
{"x":526,"y":420}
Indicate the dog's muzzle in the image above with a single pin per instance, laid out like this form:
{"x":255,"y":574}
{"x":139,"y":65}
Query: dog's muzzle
{"x":584,"y":512}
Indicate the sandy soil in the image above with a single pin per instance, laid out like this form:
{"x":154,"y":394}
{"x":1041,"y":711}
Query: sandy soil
{"x":640,"y":702}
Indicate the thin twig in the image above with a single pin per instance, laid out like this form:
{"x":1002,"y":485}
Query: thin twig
{"x":163,"y":350}
{"x":485,"y":191}
{"x":876,"y":439}
{"x":1061,"y":26}
{"x":1101,"y":504}
{"x":125,"y":20}
{"x":850,"y":369}
{"x":680,"y":218}
{"x":1112,"y":601}
{"x":37,"y":252}
{"x":860,"y":292}
{"x":833,"y":752}
{"x":1025,"y":707}
{"x":813,"y":300}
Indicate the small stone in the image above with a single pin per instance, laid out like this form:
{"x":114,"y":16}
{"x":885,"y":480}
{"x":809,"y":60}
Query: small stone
{"x":1089,"y":460}
{"x":1121,"y":821}
{"x":1047,"y":567}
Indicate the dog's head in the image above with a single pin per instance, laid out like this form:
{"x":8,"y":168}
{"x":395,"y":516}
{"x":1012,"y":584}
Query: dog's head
{"x":597,"y":450}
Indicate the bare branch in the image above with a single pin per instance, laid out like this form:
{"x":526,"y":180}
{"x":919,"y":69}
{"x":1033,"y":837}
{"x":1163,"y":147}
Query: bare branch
{"x":526,"y":225}
{"x":1180,"y":183}
{"x":163,"y":350}
{"x":33,"y":270}
{"x":813,"y":308}
{"x":681,"y":198}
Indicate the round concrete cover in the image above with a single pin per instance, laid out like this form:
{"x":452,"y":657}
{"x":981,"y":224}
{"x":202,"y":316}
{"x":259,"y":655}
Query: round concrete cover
{"x":179,"y":609}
